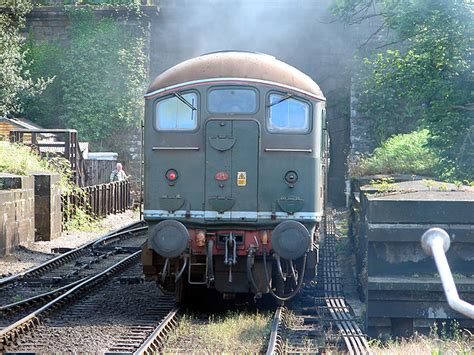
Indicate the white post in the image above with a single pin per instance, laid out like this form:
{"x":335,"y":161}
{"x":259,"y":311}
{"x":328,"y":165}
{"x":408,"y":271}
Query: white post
{"x":435,"y":241}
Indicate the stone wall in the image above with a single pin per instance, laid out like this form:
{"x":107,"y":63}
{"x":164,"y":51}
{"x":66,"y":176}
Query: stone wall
{"x":17,"y":225}
{"x":397,"y":279}
{"x":48,"y":215}
{"x":51,"y":23}
{"x":363,"y":139}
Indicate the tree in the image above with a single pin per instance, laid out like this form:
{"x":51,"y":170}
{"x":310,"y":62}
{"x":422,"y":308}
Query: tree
{"x":15,"y":81}
{"x":103,"y":76}
{"x":421,"y":76}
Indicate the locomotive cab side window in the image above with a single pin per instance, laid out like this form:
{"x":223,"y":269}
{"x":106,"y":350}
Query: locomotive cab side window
{"x":232,"y":101}
{"x":178,"y":112}
{"x":287,"y":114}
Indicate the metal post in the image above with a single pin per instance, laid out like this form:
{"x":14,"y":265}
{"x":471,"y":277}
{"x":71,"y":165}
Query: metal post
{"x":435,"y":241}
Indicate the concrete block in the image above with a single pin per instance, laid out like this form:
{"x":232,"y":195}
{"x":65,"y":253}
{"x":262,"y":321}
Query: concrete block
{"x":16,"y":212}
{"x":47,"y":206}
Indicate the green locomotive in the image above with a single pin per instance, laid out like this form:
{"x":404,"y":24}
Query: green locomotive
{"x":235,"y":148}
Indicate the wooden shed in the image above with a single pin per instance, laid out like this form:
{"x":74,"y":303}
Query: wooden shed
{"x":7,"y":124}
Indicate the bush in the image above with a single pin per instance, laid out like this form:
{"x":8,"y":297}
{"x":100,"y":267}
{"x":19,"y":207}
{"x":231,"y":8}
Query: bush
{"x":15,"y":80}
{"x":103,"y":78}
{"x":400,"y":154}
{"x":18,"y":159}
{"x":45,"y":61}
{"x":22,"y":160}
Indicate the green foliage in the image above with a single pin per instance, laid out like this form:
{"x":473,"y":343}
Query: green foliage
{"x":22,"y":160}
{"x":45,"y":61}
{"x":15,"y":81}
{"x":384,"y":185}
{"x":19,"y":159}
{"x":401,"y":154}
{"x":425,"y":79}
{"x":98,"y":80}
{"x":79,"y":220}
{"x":103,"y":77}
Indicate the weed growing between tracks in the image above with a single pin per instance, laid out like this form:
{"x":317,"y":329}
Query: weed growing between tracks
{"x":234,"y":332}
{"x":462,"y":343}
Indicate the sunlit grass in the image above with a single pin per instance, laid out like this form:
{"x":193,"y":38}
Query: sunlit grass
{"x":424,"y":345}
{"x":19,"y":159}
{"x":232,"y":333}
{"x":440,"y":341}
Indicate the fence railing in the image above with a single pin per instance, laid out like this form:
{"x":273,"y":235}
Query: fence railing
{"x":98,"y":200}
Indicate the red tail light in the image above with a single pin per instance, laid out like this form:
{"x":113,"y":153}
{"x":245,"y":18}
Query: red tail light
{"x":171,"y":175}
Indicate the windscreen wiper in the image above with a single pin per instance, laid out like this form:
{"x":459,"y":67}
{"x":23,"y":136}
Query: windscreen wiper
{"x":184,"y":101}
{"x":288,"y":96}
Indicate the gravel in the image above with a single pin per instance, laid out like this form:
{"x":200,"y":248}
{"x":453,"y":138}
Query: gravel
{"x":27,"y":257}
{"x":94,"y":323}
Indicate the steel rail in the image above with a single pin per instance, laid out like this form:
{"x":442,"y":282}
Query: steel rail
{"x":38,"y":299}
{"x":275,"y":343}
{"x":32,"y":320}
{"x":72,"y":254}
{"x":154,"y":343}
{"x":354,"y":340}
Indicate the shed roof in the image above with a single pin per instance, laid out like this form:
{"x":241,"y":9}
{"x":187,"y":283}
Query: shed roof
{"x":232,"y":64}
{"x":20,"y":122}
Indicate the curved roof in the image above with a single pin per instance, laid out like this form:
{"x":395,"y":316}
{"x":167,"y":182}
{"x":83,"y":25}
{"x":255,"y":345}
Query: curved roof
{"x":245,"y":65}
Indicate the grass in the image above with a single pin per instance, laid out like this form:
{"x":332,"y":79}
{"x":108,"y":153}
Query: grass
{"x":232,"y":333}
{"x":462,"y":343}
{"x":400,"y":154}
{"x":19,"y":159}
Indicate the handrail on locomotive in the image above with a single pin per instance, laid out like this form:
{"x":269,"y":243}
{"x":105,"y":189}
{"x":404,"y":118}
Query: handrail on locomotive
{"x":436,"y":242}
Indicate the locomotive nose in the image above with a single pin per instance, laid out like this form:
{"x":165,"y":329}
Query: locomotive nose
{"x":169,"y":238}
{"x":290,"y":240}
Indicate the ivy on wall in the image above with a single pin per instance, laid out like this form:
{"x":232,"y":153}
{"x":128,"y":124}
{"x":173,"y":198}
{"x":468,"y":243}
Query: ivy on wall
{"x":104,"y":73}
{"x":99,"y":78}
{"x":16,"y":83}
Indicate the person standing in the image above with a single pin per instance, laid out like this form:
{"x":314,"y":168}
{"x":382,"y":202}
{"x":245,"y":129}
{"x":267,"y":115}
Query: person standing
{"x":118,"y":174}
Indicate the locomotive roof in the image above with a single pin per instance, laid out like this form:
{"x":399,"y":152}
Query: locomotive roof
{"x":244,"y":65}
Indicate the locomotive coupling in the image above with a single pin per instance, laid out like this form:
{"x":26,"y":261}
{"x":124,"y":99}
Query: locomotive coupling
{"x":290,"y":240}
{"x":169,"y":238}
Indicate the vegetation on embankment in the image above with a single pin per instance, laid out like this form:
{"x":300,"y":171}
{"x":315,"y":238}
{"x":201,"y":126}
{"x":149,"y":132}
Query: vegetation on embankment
{"x":400,"y":154}
{"x":22,"y":160}
{"x":416,"y":71}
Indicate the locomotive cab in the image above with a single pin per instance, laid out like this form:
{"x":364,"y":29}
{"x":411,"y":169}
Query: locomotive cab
{"x":235,"y":153}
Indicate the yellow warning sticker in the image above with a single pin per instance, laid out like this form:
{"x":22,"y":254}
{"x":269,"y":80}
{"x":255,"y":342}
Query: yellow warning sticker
{"x":241,"y":178}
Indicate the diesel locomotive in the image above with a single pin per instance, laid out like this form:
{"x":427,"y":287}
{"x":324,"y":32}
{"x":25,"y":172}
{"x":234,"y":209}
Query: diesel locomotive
{"x":235,"y":156}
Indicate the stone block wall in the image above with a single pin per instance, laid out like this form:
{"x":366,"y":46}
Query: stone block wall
{"x":17,"y":225}
{"x":48,"y":214}
{"x":398,"y":280}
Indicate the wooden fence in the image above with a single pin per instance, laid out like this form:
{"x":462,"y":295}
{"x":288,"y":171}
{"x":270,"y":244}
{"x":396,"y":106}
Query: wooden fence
{"x":98,"y":171}
{"x":98,"y":200}
{"x":58,"y":142}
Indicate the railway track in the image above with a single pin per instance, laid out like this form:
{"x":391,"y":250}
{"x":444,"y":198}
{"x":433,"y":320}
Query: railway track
{"x":37,"y":286}
{"x":112,"y":311}
{"x":320,"y":319}
{"x":109,"y":310}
